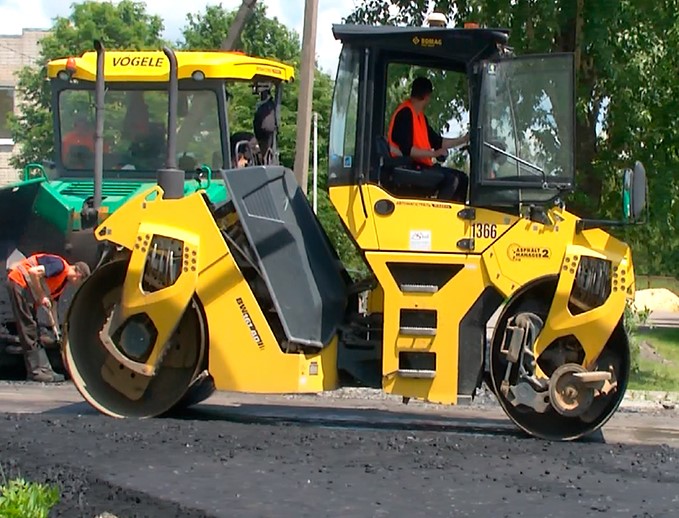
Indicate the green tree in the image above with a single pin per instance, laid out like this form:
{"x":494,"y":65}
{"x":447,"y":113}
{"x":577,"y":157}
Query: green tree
{"x":124,"y":25}
{"x":262,"y":36}
{"x":626,"y":95}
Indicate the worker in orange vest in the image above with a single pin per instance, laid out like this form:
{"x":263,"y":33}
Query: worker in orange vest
{"x":39,"y":280}
{"x":410,"y":134}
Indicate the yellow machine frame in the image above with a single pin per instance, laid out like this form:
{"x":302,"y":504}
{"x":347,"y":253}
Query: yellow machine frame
{"x":151,"y":65}
{"x":521,"y":254}
{"x":560,"y":282}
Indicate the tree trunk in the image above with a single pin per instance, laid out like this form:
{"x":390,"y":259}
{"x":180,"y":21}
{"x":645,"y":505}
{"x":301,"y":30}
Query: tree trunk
{"x":587,"y":180}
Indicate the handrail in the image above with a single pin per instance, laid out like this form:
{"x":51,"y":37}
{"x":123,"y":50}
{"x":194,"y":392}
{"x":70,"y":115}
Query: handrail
{"x":208,"y":171}
{"x":33,"y":165}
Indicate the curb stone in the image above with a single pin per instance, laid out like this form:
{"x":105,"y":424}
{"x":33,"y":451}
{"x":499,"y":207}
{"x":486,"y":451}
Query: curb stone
{"x":634,"y":399}
{"x":650,"y":399}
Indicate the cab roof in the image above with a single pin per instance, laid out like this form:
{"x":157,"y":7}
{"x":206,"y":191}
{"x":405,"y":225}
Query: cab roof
{"x":425,"y":45}
{"x":152,"y":65}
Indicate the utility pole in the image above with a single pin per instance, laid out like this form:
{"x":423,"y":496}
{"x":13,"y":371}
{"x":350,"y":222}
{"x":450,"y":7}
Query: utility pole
{"x":315,"y":170}
{"x":304,"y":104}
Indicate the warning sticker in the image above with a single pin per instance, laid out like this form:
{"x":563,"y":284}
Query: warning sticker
{"x":420,"y":240}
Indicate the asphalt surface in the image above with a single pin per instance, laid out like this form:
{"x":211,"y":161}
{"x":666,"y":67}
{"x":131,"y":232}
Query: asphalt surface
{"x":174,"y":467}
{"x":210,"y":462}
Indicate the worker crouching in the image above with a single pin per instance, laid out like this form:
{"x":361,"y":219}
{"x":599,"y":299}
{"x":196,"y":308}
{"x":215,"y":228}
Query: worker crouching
{"x":39,"y":280}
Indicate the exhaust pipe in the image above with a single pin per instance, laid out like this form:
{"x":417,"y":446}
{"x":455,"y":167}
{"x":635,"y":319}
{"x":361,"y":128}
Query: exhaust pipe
{"x":99,"y":125}
{"x":171,"y":179}
{"x":89,"y":214}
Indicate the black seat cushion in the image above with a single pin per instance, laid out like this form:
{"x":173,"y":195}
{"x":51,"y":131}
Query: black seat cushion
{"x":421,"y":178}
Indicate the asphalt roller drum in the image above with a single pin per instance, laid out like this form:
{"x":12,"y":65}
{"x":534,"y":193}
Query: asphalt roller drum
{"x":109,"y":386}
{"x":574,"y":414}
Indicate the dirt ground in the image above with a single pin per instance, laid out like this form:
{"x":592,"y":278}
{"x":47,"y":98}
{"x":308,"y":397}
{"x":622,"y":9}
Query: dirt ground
{"x":212,"y":467}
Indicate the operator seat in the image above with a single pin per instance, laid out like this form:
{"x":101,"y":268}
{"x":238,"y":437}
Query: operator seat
{"x":401,"y":175}
{"x":244,"y":145}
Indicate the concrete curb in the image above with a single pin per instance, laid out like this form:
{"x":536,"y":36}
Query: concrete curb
{"x":652,"y":395}
{"x":649,"y":400}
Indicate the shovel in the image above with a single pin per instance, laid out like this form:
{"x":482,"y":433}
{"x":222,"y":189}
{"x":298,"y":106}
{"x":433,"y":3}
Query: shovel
{"x":51,"y":312}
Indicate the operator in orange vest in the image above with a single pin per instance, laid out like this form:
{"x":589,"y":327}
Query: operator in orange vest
{"x":411,"y":135}
{"x":37,"y":281}
{"x":82,"y":135}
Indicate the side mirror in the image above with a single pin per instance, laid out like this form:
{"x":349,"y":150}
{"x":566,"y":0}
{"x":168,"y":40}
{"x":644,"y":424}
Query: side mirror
{"x":634,"y":192}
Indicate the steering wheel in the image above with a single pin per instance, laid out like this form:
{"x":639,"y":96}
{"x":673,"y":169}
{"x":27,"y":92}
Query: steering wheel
{"x":444,"y":157}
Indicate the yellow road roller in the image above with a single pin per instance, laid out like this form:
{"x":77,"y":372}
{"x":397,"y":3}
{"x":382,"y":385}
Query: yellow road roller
{"x":249,"y":294}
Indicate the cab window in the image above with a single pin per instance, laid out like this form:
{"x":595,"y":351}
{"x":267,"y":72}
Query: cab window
{"x":344,"y":117}
{"x":135,"y":130}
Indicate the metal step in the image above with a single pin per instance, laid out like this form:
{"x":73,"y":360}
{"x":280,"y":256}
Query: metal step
{"x":417,"y":331}
{"x":416,"y":373}
{"x":361,"y":343}
{"x":419,"y":288}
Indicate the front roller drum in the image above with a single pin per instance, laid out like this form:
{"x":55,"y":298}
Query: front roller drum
{"x":109,"y":386}
{"x":573,"y":402}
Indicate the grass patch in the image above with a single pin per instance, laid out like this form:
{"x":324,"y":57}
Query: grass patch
{"x":658,"y":366}
{"x":22,"y":499}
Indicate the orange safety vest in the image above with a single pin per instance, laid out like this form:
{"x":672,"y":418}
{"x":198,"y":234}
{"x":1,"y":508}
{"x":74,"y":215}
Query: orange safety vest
{"x":56,"y":284}
{"x":75,"y":138}
{"x":420,"y":132}
{"x":87,"y":140}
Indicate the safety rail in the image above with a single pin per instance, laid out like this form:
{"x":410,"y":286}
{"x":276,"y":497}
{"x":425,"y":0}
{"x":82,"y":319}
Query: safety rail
{"x":32,"y":166}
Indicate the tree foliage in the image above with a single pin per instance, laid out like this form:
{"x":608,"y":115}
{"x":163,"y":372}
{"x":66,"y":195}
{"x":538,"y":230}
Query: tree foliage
{"x":125,"y":24}
{"x":626,"y":89}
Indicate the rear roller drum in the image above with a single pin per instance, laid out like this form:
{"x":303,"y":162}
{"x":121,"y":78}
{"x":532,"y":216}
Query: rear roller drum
{"x":111,"y":387}
{"x":573,"y":402}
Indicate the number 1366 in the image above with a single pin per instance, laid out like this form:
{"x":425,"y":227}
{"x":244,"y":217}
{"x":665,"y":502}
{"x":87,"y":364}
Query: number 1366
{"x":484,"y":230}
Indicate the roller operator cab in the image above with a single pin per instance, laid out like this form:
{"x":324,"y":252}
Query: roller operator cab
{"x":249,"y":295}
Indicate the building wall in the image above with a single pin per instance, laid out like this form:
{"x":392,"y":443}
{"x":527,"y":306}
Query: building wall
{"x":16,"y":52}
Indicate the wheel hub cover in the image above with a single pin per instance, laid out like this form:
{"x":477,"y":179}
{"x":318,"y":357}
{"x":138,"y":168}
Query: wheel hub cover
{"x":567,"y":394}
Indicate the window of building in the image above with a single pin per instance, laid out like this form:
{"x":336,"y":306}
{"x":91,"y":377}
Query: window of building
{"x":6,"y":108}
